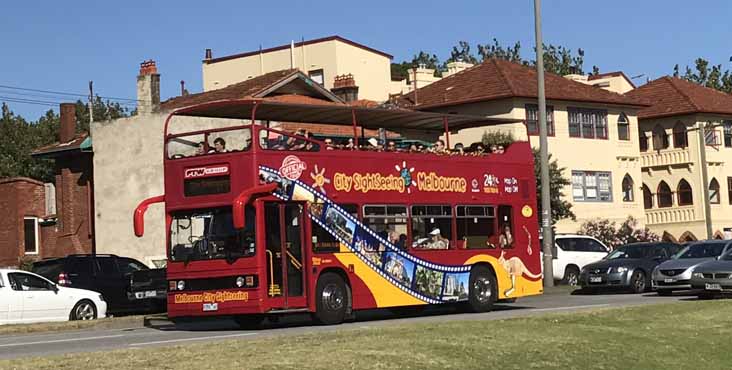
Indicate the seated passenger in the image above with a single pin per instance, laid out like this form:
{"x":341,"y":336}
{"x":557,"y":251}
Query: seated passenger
{"x":437,"y":241}
{"x":413,"y":149}
{"x":329,"y":144}
{"x":458,"y":149}
{"x":200,"y":148}
{"x":391,"y":147}
{"x":219,"y":145}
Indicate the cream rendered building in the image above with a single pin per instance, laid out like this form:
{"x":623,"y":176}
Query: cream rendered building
{"x":321,"y":59}
{"x":594,"y":135}
{"x":671,"y":159}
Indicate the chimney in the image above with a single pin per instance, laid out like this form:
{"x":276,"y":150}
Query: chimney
{"x":344,"y":87}
{"x":148,"y":88}
{"x":67,"y":131}
{"x":209,"y":55}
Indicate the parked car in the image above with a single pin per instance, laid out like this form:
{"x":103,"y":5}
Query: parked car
{"x":571,"y":253}
{"x":26,"y":297}
{"x":150,"y":286}
{"x":107,"y":274}
{"x":627,"y":267}
{"x":675,"y":274}
{"x":713,"y":277}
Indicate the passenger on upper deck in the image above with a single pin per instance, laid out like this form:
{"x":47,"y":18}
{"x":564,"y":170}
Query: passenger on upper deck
{"x":438,"y":147}
{"x":200,"y":148}
{"x":458,"y":149}
{"x":219,"y":145}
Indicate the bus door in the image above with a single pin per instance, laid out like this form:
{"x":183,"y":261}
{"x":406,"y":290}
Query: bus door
{"x":284,"y":254}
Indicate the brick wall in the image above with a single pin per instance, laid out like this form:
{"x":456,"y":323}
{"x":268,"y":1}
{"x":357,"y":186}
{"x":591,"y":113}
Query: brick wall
{"x":19,"y":198}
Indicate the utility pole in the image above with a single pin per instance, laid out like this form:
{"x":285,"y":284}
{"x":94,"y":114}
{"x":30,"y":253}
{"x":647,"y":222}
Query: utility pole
{"x":704,"y":179}
{"x":91,"y":104}
{"x":546,"y":207}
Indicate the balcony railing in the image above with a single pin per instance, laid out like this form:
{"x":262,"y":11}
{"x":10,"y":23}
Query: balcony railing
{"x":670,"y":215}
{"x":665,"y":157}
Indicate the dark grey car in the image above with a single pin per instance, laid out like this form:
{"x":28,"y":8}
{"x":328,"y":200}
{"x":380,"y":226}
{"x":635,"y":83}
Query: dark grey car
{"x":627,"y":267}
{"x":675,"y":274}
{"x":713,"y":277}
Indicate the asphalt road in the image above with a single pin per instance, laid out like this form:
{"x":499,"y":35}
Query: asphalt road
{"x":164,"y":333}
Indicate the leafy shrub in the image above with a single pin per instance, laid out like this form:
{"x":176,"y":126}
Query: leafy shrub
{"x":614,"y":236}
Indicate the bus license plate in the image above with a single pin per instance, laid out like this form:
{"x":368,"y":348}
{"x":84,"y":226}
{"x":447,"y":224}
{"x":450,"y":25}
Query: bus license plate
{"x":210,"y":306}
{"x":595,"y":279}
{"x":712,"y":286}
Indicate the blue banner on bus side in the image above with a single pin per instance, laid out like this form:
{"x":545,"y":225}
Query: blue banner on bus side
{"x":430,"y":282}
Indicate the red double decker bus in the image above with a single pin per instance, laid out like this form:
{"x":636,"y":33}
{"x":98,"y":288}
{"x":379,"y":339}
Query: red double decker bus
{"x":264,"y":222}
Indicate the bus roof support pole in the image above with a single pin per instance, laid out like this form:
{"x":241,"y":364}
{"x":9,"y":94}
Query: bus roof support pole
{"x":355,"y":131}
{"x":138,"y":218}
{"x":447,"y":132}
{"x":242,"y":199}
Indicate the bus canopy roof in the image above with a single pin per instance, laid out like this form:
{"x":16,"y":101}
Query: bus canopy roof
{"x":374,"y":118}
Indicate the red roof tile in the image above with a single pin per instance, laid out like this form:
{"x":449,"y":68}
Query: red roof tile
{"x":499,"y":79}
{"x":670,"y":96}
{"x":61,"y":147}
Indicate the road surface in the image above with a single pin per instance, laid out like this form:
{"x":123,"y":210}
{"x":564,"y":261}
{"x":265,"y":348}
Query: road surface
{"x":164,"y":333}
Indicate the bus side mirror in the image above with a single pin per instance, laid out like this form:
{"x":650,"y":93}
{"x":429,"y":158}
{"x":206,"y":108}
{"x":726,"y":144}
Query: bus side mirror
{"x":237,"y":208}
{"x":138,"y":218}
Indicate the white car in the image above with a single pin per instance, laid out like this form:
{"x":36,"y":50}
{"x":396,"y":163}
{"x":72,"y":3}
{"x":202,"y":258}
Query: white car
{"x":571,"y":253}
{"x":26,"y":297}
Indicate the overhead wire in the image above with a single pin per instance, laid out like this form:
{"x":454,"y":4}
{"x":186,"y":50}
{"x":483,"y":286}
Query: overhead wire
{"x":67,"y":93}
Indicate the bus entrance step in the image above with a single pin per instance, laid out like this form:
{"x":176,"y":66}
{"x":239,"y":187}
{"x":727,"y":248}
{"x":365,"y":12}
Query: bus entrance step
{"x":290,"y":310}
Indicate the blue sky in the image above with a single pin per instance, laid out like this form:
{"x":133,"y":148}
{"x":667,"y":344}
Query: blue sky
{"x":61,"y":45}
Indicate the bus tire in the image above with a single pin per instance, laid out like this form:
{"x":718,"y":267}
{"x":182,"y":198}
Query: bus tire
{"x":331,"y":299}
{"x":483,"y":290}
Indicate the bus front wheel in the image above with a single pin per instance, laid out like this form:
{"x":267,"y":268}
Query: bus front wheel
{"x":331,"y":299}
{"x":482,"y":289}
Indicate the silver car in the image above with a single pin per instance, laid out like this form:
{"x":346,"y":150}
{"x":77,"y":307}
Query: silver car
{"x":713,"y":277}
{"x":675,"y":274}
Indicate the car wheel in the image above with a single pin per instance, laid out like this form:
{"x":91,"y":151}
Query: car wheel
{"x":249,"y":321}
{"x":331,"y":299}
{"x":482,"y":289}
{"x":84,"y":310}
{"x":638,"y":282}
{"x":571,"y":276}
{"x":664,"y":292}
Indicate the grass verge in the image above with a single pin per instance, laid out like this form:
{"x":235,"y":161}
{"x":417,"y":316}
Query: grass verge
{"x":686,"y":335}
{"x":106,"y":323}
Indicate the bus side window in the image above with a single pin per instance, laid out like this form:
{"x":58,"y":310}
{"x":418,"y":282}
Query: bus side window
{"x":432,"y":227}
{"x":322,"y":240}
{"x":476,"y":227}
{"x":506,"y":231}
{"x":389,"y":222}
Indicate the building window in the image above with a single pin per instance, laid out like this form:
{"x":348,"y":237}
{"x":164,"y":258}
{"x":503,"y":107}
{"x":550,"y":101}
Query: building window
{"x":623,"y":127}
{"x":591,"y":186}
{"x":30,"y":227}
{"x":729,"y":189}
{"x":643,"y":141}
{"x":476,"y":227}
{"x":727,"y":126}
{"x":680,"y":137}
{"x":317,"y":76}
{"x":684,"y":193}
{"x":665,"y":197}
{"x":431,"y":220}
{"x":647,"y":198}
{"x":627,"y":188}
{"x":660,"y":138}
{"x":388,"y":222}
{"x":587,"y":123}
{"x":532,"y":119}
{"x":714,"y":197}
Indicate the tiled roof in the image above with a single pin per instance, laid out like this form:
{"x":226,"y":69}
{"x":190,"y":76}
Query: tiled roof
{"x":499,"y":79}
{"x":75,"y":144}
{"x":297,"y":45}
{"x":670,"y":96}
{"x":238,"y":90}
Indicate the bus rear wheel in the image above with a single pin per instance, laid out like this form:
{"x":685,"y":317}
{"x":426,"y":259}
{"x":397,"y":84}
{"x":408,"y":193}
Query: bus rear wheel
{"x":331,"y":299}
{"x":482,"y":289}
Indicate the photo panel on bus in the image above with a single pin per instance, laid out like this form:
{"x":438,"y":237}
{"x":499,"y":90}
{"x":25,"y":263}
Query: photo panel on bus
{"x":428,"y":281}
{"x":368,"y":246}
{"x":338,"y":223}
{"x":456,"y":286}
{"x":284,"y":186}
{"x":399,"y":268}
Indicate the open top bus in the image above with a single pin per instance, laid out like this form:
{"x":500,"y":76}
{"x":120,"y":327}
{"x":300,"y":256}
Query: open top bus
{"x":261,"y":221}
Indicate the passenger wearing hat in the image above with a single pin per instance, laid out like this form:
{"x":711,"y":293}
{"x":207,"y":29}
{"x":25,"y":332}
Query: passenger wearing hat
{"x":437,"y":241}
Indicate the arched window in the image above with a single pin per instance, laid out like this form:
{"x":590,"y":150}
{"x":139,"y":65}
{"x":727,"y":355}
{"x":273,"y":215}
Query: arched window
{"x":647,"y":197}
{"x":684,"y":193}
{"x":660,"y":139}
{"x":623,"y":127}
{"x":714,"y":197}
{"x":665,"y":197}
{"x":627,"y":188}
{"x":680,"y":138}
{"x":643,"y":141}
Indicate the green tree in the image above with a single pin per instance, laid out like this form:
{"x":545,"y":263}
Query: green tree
{"x":461,"y":53}
{"x":710,"y":76}
{"x":496,"y":50}
{"x":614,"y":236}
{"x":561,"y":209}
{"x":400,"y":71}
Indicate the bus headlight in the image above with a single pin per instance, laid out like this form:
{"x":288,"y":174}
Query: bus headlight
{"x":181,"y":285}
{"x":240,"y":281}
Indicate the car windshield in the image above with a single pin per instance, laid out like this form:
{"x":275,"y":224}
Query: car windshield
{"x":727,"y":257}
{"x":628,"y":251}
{"x":210,"y":234}
{"x":701,"y":250}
